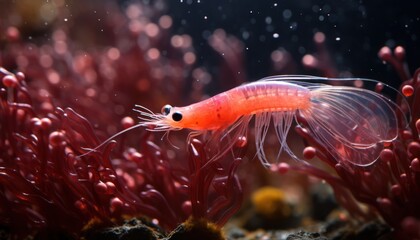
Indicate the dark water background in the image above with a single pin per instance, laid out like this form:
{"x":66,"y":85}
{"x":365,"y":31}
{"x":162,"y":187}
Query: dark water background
{"x":355,"y":30}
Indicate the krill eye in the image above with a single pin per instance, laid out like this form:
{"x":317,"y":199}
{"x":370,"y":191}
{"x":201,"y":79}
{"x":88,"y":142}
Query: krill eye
{"x":166,"y":109}
{"x":177,"y":116}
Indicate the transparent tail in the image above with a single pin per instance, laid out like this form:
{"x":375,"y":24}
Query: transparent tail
{"x":353,"y":123}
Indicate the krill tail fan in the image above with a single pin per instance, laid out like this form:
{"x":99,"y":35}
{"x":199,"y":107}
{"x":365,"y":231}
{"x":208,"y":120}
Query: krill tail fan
{"x":353,"y":124}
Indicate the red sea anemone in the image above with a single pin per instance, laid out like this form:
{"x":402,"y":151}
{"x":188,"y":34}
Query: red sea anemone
{"x":45,"y":187}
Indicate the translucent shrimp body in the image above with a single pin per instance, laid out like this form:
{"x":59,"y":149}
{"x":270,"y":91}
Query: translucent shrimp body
{"x":352,"y":123}
{"x":222,"y":110}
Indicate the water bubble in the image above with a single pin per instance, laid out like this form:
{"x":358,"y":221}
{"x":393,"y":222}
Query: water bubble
{"x":245,"y":35}
{"x":287,"y":14}
{"x":293,"y":26}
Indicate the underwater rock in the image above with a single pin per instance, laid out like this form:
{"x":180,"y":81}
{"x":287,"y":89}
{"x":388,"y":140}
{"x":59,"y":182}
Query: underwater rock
{"x":131,"y":229}
{"x":302,"y":235}
{"x":196,"y":229}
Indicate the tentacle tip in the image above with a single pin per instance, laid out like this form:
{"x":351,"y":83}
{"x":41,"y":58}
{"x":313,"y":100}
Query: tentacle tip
{"x":89,"y":151}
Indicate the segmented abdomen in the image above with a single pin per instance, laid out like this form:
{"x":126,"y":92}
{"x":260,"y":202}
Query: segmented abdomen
{"x":269,"y":97}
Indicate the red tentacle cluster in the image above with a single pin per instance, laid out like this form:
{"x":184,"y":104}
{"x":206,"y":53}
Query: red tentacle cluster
{"x":45,"y":185}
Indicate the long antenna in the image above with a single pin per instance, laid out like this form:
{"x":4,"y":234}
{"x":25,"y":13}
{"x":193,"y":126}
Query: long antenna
{"x":110,"y":138}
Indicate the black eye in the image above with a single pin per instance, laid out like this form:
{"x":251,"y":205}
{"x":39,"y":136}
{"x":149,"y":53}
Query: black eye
{"x":166,"y":109}
{"x":177,"y":116}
